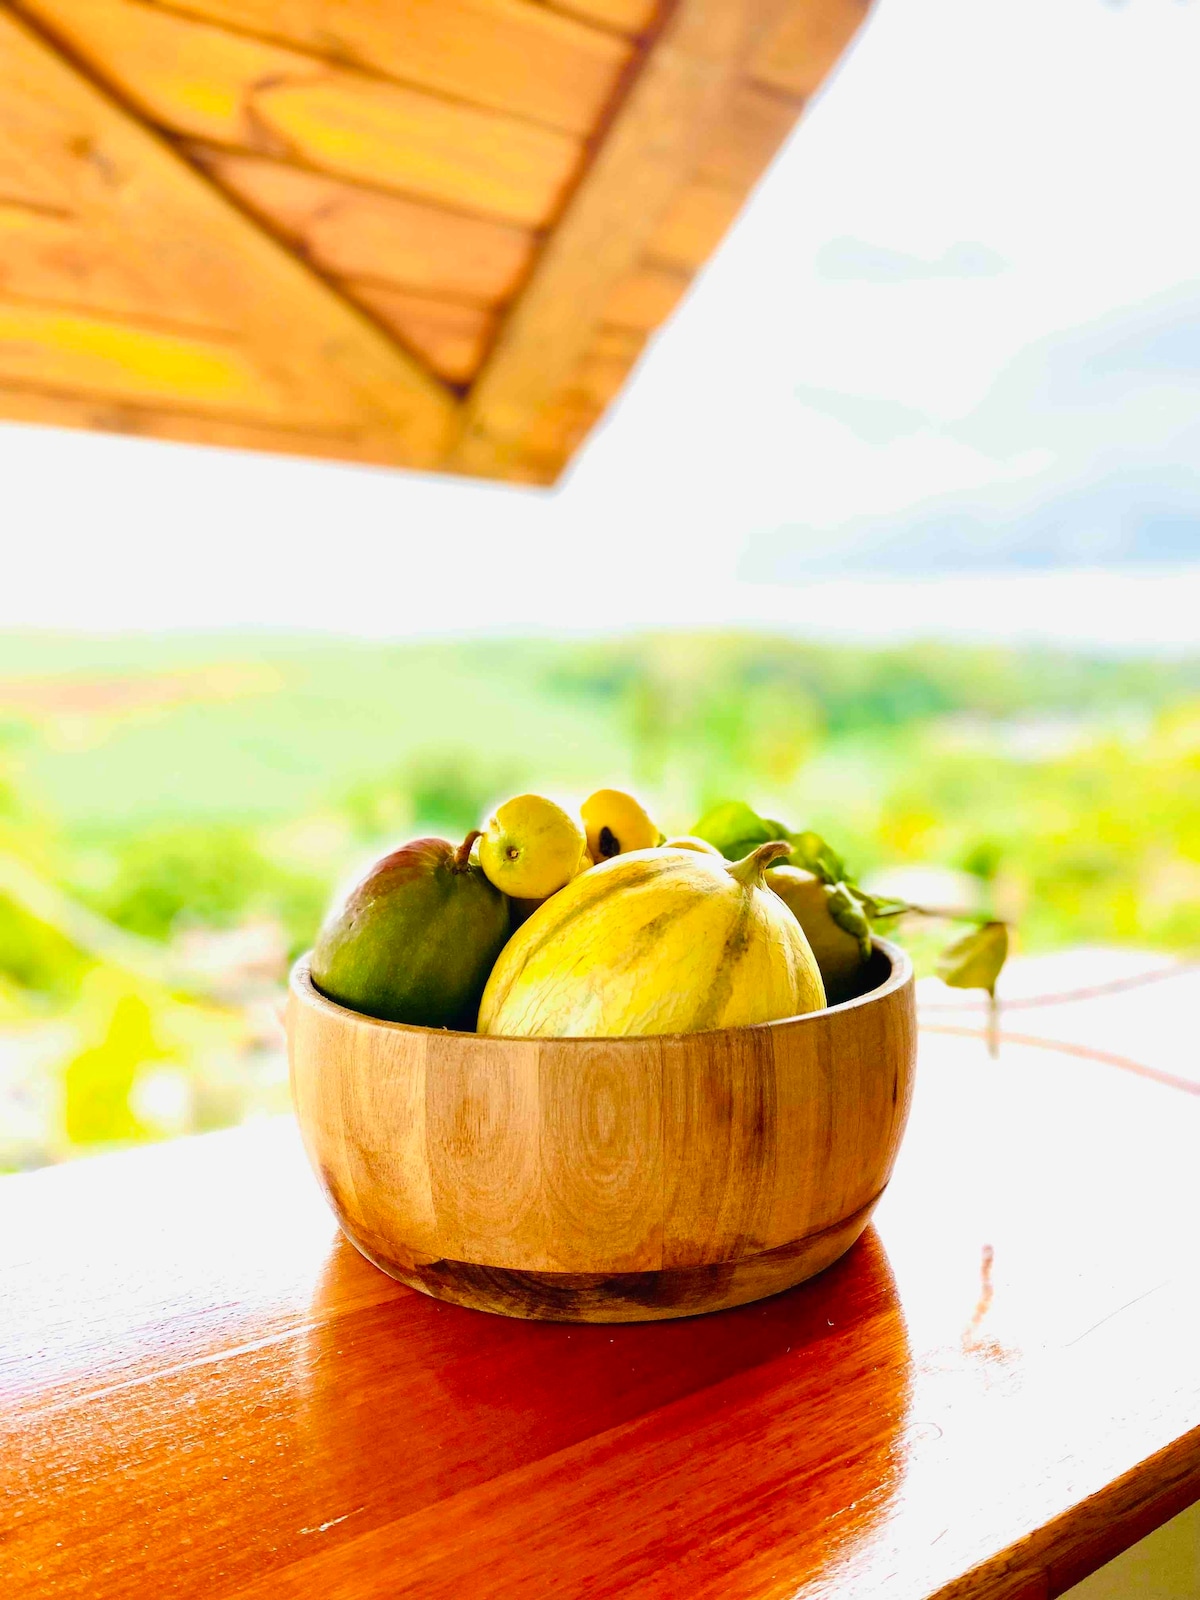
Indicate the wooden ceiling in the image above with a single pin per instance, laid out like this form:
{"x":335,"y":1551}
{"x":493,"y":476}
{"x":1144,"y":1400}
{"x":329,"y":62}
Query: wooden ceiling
{"x":429,"y":233}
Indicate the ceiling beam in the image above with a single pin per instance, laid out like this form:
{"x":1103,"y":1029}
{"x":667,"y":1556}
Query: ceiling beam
{"x":648,"y":150}
{"x":275,"y":351}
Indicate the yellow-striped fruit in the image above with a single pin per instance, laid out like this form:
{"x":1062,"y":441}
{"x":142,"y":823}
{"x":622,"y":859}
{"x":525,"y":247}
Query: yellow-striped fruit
{"x":657,"y":941}
{"x":689,"y":841}
{"x":616,"y":823}
{"x":839,"y":954}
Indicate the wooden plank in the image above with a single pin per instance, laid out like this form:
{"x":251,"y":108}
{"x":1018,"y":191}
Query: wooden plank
{"x":505,"y":55}
{"x":699,"y":217}
{"x":798,"y":56}
{"x":297,"y":354}
{"x":26,"y":182}
{"x":553,"y":437}
{"x":230,"y":89}
{"x":755,"y":124}
{"x":418,"y":145}
{"x":449,"y":336}
{"x":425,"y":210}
{"x":96,"y":414}
{"x":69,"y":351}
{"x":428,"y":210}
{"x":645,"y":298}
{"x":53,"y":257}
{"x":561,"y":427}
{"x":608,"y":361}
{"x":184,"y":76}
{"x":354,"y":232}
{"x":214,"y":1395}
{"x":626,"y":16}
{"x":649,"y":149}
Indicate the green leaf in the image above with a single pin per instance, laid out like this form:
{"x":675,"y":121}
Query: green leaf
{"x":735,"y":829}
{"x":974,"y":960}
{"x":881,"y":907}
{"x":847,"y":911}
{"x":811,"y":852}
{"x":779,"y":830}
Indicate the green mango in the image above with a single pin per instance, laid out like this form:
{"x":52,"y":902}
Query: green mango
{"x":416,"y":939}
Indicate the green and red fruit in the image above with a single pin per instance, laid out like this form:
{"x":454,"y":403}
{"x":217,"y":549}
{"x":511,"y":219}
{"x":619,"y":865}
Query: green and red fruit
{"x":415,"y":940}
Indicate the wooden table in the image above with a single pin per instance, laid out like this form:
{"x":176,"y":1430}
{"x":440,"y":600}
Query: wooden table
{"x":206,"y":1393}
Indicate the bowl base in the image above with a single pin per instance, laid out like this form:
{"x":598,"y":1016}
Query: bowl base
{"x":627,"y":1296}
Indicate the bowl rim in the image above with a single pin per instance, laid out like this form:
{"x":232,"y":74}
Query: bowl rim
{"x":300,"y":984}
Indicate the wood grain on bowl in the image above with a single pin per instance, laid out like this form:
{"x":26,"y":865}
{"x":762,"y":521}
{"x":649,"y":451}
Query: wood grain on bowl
{"x":606,"y":1179}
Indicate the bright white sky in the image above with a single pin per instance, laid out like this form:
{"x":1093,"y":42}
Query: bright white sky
{"x":980,"y":175}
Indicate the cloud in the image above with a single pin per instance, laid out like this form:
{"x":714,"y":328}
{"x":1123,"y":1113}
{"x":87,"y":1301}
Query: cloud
{"x":1110,"y":411}
{"x":1131,"y":515}
{"x":851,"y":260}
{"x":1126,"y":380}
{"x":874,"y":418}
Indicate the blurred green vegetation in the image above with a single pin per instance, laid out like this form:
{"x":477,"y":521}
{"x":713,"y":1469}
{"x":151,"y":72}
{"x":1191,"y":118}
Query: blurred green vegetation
{"x":208,"y":875}
{"x":174,"y":813}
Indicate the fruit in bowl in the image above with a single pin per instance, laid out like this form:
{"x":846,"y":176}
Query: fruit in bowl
{"x":415,"y":939}
{"x":546,"y":923}
{"x":655,"y":941}
{"x":531,"y":847}
{"x":648,"y":1112}
{"x":615,"y":824}
{"x":841,"y":955}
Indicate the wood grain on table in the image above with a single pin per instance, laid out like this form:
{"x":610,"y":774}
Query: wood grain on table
{"x":205,"y":1392}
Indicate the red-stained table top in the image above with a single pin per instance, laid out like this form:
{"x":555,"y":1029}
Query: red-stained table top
{"x":205,"y":1392}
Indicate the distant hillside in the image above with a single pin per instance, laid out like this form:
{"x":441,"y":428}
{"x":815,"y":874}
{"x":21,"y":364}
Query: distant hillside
{"x":122,"y":733}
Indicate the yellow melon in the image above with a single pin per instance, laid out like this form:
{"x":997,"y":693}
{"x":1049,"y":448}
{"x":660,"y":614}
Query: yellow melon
{"x":655,"y":941}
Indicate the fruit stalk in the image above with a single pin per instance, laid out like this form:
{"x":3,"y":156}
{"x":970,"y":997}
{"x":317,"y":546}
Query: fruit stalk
{"x":462,"y":856}
{"x":750,"y":869}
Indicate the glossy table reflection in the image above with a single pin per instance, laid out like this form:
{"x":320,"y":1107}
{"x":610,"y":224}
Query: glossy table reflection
{"x":205,"y":1392}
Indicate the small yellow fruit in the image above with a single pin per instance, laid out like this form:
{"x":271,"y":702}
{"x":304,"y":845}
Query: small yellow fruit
{"x":839,"y":954}
{"x":531,"y":847}
{"x":657,"y":941}
{"x":521,"y":910}
{"x":689,"y":841}
{"x":616,"y":824}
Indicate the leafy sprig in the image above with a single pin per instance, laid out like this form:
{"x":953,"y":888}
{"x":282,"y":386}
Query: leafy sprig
{"x":971,"y":961}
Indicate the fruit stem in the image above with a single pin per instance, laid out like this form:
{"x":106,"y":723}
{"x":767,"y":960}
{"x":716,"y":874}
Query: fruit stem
{"x":750,"y":870}
{"x":462,"y":856}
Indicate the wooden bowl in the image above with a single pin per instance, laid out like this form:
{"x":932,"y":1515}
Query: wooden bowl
{"x":606,"y":1180}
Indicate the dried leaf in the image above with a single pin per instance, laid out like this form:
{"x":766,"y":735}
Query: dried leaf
{"x":974,"y":960}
